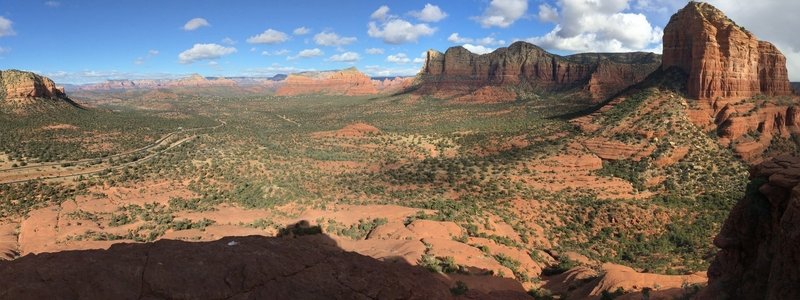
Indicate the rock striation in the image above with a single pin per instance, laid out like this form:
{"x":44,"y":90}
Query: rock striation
{"x":722,"y":59}
{"x":524,"y":67}
{"x":760,"y":240}
{"x":21,"y":85}
{"x":347,"y":82}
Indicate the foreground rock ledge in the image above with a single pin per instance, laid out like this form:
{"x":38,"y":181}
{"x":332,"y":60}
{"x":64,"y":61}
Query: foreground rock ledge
{"x":760,"y":240}
{"x":254,"y":267}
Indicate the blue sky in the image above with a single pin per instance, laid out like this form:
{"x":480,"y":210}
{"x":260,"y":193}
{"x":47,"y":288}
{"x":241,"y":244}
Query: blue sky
{"x":94,"y":40}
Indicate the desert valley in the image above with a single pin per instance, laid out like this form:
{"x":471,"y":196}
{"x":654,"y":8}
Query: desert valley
{"x":514,"y":174}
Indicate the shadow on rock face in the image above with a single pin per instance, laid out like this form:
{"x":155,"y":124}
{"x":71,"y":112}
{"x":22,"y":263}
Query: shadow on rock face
{"x":303,"y":264}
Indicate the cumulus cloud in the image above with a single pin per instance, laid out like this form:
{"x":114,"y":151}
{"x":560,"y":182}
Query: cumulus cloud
{"x":301,"y":31}
{"x":399,"y":58}
{"x":345,"y":57}
{"x":394,"y":30}
{"x":486,"y":41}
{"x":399,"y":31}
{"x":547,"y":13}
{"x":598,"y":26}
{"x":374,"y":51}
{"x":430,"y":13}
{"x":307,"y":53}
{"x":142,"y":59}
{"x":478,"y":49}
{"x":195,"y":24}
{"x":229,"y":41}
{"x":381,"y":13}
{"x":204,"y":52}
{"x":328,"y":38}
{"x":269,"y":36}
{"x":503,"y":13}
{"x":770,"y":20}
{"x":5,"y":27}
{"x":382,"y":71}
{"x":273,"y":69}
{"x":276,"y":52}
{"x":421,"y":58}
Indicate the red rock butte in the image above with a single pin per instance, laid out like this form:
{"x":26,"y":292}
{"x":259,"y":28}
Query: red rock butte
{"x":525,"y":67}
{"x":347,"y":82}
{"x":22,"y":85}
{"x":722,"y":59}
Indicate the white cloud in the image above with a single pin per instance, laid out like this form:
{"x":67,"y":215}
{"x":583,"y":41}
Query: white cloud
{"x":301,"y":31}
{"x":381,"y":71}
{"x":308,"y":53}
{"x":229,"y":41}
{"x":4,"y":50}
{"x":547,"y":13}
{"x":269,"y":36}
{"x":213,"y":63}
{"x":276,"y":52}
{"x":345,"y":57}
{"x":381,"y":13}
{"x":775,"y":21}
{"x":204,"y":52}
{"x":430,"y":13}
{"x":399,"y":58}
{"x":195,"y":23}
{"x":422,"y":57}
{"x":328,"y":38}
{"x":142,"y":59}
{"x":374,"y":51}
{"x":503,"y":13}
{"x":486,"y":41}
{"x":273,"y":69}
{"x":478,"y":49}
{"x":52,"y":4}
{"x":599,"y":26}
{"x":399,"y":31}
{"x":5,"y":27}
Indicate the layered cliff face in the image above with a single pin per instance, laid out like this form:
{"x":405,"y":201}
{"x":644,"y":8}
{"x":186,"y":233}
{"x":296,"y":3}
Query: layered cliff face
{"x":348,"y":82}
{"x":760,"y":240}
{"x":23,"y":86}
{"x":722,"y":59}
{"x":524,"y":67}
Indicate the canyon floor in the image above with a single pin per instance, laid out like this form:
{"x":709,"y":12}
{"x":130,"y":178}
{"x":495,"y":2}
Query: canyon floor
{"x":534,"y":197}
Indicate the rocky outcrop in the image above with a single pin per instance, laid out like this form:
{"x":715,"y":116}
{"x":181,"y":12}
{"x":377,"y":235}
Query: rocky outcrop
{"x":722,"y":59}
{"x":796,"y":87}
{"x":21,"y":85}
{"x":306,"y":267}
{"x":393,"y":84}
{"x":527,"y":68}
{"x":348,"y":82}
{"x":760,"y":240}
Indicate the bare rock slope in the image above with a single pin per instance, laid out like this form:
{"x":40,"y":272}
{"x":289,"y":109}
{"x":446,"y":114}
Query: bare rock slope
{"x":760,"y":240}
{"x":306,"y":267}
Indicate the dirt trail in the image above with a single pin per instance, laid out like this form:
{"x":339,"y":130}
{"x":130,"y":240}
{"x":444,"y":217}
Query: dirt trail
{"x":68,"y":169}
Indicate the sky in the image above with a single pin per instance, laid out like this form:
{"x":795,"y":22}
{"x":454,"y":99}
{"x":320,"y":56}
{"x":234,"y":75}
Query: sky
{"x":84,"y":41}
